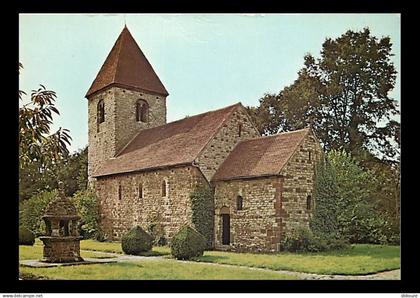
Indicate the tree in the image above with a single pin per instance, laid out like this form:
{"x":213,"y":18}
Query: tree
{"x":39,"y":150}
{"x":345,"y":205}
{"x":36,"y":143}
{"x":344,"y":96}
{"x":71,"y":169}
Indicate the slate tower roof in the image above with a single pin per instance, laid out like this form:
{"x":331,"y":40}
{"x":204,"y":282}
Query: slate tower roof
{"x":126,"y":66}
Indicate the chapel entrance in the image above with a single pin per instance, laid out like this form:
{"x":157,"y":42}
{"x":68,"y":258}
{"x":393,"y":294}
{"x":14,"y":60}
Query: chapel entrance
{"x":225,"y":229}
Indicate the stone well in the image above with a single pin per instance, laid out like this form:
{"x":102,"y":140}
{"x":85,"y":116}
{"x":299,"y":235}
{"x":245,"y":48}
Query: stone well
{"x":62,"y":241}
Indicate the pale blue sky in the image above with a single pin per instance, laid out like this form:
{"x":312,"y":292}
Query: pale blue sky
{"x":205,"y":61}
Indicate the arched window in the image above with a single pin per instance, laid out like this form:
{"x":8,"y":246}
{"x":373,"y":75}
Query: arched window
{"x":142,"y":111}
{"x":101,"y":111}
{"x":239,"y":203}
{"x":309,"y":202}
{"x":164,"y":185}
{"x":239,"y":129}
{"x":140,"y":191}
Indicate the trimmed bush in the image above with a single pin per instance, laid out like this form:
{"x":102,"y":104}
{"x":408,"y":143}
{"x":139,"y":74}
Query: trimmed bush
{"x":136,"y":241}
{"x":187,"y":243}
{"x":26,"y":237}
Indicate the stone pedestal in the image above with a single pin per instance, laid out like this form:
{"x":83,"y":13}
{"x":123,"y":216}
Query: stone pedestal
{"x":61,"y":249}
{"x":62,"y":241}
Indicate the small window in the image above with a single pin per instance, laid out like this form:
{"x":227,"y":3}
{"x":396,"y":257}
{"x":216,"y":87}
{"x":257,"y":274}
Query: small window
{"x":164,"y":188}
{"x":101,"y":111}
{"x":142,"y":111}
{"x":239,"y":203}
{"x":309,"y":155}
{"x":239,"y":129}
{"x":119,"y":191}
{"x":309,"y":202}
{"x":140,"y":194}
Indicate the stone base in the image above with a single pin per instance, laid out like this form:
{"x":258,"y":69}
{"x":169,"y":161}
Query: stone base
{"x":61,"y":249}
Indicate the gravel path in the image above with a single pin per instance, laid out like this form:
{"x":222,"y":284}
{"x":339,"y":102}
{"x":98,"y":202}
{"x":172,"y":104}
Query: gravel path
{"x":386,"y":275}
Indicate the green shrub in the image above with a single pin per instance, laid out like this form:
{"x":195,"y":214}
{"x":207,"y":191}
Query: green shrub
{"x":32,"y":210}
{"x":87,"y":207}
{"x":202,"y":214}
{"x":302,"y":239}
{"x":100,"y":236}
{"x":155,"y":229}
{"x":26,"y":237}
{"x":136,"y":241}
{"x":187,"y":243}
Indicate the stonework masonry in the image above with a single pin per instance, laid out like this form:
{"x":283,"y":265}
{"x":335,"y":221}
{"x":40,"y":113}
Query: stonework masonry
{"x":225,"y":140}
{"x":272,"y":206}
{"x":118,"y":215}
{"x":254,"y":228}
{"x":106,"y":139}
{"x":298,"y":183}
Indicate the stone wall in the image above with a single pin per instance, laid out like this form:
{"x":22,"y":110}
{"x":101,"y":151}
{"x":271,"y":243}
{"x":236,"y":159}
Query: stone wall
{"x":255,"y":227}
{"x":225,"y":140}
{"x":120,"y":126}
{"x":127,"y":127}
{"x":118,"y":215}
{"x":298,"y":184}
{"x":272,"y":206}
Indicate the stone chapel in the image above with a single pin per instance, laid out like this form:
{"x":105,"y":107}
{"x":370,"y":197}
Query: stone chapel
{"x":143,"y":168}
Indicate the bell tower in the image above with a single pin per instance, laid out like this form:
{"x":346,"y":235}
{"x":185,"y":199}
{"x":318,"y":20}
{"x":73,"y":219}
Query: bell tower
{"x":125,"y":97}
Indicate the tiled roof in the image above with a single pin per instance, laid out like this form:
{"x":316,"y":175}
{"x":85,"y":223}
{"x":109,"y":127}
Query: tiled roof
{"x":127,"y":66}
{"x":176,"y":143}
{"x":262,"y":156}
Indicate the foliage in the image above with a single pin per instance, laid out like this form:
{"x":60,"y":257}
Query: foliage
{"x":87,"y":207}
{"x":26,"y":237}
{"x":32,"y":210}
{"x":343,"y":96}
{"x":39,"y":176}
{"x":136,"y":241}
{"x":155,"y":229}
{"x":202,"y":214}
{"x":302,"y":239}
{"x":35,"y":118}
{"x":345,"y":205}
{"x":187,"y":243}
{"x":324,"y":220}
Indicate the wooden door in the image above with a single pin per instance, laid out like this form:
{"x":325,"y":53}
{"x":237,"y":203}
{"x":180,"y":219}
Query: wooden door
{"x":225,"y":229}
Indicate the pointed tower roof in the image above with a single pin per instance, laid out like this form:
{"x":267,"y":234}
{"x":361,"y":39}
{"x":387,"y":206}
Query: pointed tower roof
{"x":126,"y":66}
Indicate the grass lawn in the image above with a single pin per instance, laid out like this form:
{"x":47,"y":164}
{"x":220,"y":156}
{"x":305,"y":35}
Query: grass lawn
{"x":27,"y":252}
{"x":115,"y":247}
{"x":359,"y":259}
{"x":163,"y":269}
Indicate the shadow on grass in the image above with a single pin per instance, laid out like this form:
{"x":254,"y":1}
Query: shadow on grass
{"x":210,"y":259}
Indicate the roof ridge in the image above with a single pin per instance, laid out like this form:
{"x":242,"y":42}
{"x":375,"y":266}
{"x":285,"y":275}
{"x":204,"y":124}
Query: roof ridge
{"x":218,"y":128}
{"x":274,"y":135}
{"x":295,"y":148}
{"x":169,"y":123}
{"x":118,"y":53}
